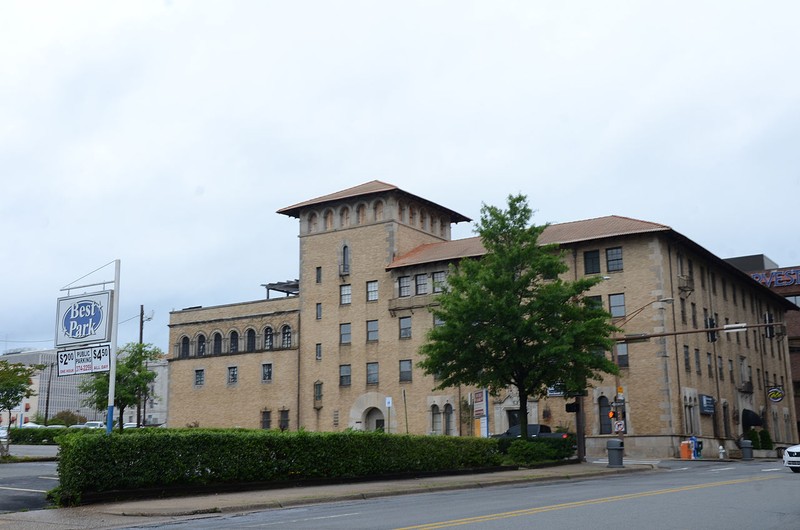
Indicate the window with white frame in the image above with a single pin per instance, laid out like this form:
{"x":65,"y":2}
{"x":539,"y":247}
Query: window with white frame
{"x":286,"y":336}
{"x":372,"y":373}
{"x":614,"y":259}
{"x":616,"y":305}
{"x":372,"y":330}
{"x":344,"y":375}
{"x":345,"y":334}
{"x":439,"y":280}
{"x":421,"y":284}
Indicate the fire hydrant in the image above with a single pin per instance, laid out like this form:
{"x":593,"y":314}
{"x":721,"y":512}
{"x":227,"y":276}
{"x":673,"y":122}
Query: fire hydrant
{"x":721,"y":452}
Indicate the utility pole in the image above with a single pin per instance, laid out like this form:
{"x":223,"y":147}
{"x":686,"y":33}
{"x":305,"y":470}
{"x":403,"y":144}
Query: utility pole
{"x":141,"y":402}
{"x":47,"y":399}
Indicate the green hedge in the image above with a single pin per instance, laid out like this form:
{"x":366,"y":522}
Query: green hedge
{"x":36,"y":436}
{"x":167,"y":458}
{"x":538,"y":450}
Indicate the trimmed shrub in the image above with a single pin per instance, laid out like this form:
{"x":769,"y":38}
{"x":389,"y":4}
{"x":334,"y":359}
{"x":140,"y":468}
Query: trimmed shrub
{"x":539,"y":450}
{"x":765,"y":439}
{"x":754,"y":437}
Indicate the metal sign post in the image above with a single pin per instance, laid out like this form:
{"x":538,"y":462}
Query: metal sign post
{"x":112,"y":374}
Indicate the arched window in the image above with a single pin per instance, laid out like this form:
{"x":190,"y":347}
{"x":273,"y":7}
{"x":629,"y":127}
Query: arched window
{"x":345,"y":260}
{"x":377,"y":210}
{"x":436,"y":420}
{"x":251,"y":340}
{"x":217,"y":343}
{"x":201,"y":345}
{"x":448,"y":420}
{"x":361,"y":214}
{"x":313,"y":223}
{"x":184,"y":348}
{"x":234,"y":342}
{"x":269,"y":342}
{"x":286,"y":336}
{"x":344,"y":217}
{"x":329,"y":220}
{"x":604,"y":408}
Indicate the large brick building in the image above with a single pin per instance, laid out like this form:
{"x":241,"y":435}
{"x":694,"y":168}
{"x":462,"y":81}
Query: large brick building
{"x":340,"y":350}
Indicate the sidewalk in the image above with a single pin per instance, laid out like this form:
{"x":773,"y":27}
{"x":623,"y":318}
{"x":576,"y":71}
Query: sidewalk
{"x":129,"y":513}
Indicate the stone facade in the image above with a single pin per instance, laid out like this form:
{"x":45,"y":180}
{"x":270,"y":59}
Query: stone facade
{"x":371,"y":259}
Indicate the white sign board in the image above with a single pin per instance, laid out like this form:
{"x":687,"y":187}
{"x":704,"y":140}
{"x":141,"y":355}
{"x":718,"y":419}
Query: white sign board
{"x":388,"y":402}
{"x":479,"y":401}
{"x":84,"y":361}
{"x":84,"y":319}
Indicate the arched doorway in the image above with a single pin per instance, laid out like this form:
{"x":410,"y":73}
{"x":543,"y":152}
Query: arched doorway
{"x":373,"y":420}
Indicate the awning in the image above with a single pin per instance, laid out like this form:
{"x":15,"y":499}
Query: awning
{"x":750,"y":419}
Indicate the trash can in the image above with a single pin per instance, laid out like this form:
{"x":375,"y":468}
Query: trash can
{"x":615,"y":449}
{"x":747,"y":450}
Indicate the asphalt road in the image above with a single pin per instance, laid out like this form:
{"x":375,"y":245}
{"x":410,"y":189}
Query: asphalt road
{"x":728,"y":496}
{"x":24,"y":485}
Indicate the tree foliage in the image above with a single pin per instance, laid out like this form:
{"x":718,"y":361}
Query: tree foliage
{"x":15,"y":385}
{"x":509,"y":320}
{"x":131,"y":382}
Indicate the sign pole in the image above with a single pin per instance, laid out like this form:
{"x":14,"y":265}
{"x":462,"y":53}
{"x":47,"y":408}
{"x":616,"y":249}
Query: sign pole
{"x":112,"y":374}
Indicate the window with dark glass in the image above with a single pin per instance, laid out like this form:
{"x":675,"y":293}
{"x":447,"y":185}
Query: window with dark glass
{"x":344,"y":375}
{"x":405,"y":327}
{"x":266,"y":373}
{"x":345,"y":294}
{"x":319,"y":311}
{"x":614,"y":259}
{"x":251,"y":340}
{"x":318,"y":351}
{"x":372,"y":373}
{"x":268,"y":339}
{"x":372,"y":291}
{"x":616,"y":305}
{"x":286,"y":337}
{"x":201,"y":345}
{"x":372,"y":330}
{"x":283,"y":423}
{"x":591,"y":262}
{"x":622,"y":355}
{"x":318,"y":391}
{"x":266,"y":419}
{"x":345,"y":260}
{"x":318,"y":274}
{"x":405,"y":370}
{"x":217,"y":343}
{"x":421,"y":284}
{"x":185,"y":347}
{"x":345,"y":333}
{"x":199,"y":377}
{"x":234,"y":347}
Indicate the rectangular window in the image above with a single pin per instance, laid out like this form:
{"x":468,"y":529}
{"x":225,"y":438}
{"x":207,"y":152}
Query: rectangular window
{"x":616,"y":305}
{"x":233,"y":375}
{"x":758,"y":376}
{"x":318,"y":391}
{"x":372,"y":330}
{"x":319,"y":275}
{"x":372,"y":373}
{"x":283,"y":423}
{"x":703,"y":278}
{"x":405,"y":327}
{"x":697,"y":367}
{"x":344,"y":375}
{"x":595,"y":302}
{"x":683,"y":311}
{"x":199,"y":377}
{"x":421,"y":283}
{"x":694,"y":315}
{"x":266,"y":419}
{"x":319,"y":311}
{"x":730,"y":371}
{"x":372,"y":291}
{"x":614,"y":259}
{"x":622,"y":355}
{"x":318,"y":351}
{"x":404,"y":283}
{"x":266,"y":373}
{"x":724,"y":288}
{"x":405,"y":371}
{"x":439,"y":281}
{"x":710,"y":365}
{"x":591,"y":262}
{"x":720,"y":368}
{"x":687,"y":361}
{"x":344,"y":333}
{"x":437,"y":321}
{"x":345,"y":294}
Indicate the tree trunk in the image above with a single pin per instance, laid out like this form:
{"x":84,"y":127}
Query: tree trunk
{"x":523,"y":413}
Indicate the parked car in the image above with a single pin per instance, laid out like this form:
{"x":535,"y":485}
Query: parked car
{"x":94,"y":425}
{"x":31,"y":425}
{"x":791,"y":458}
{"x":129,"y":425}
{"x":535,"y":430}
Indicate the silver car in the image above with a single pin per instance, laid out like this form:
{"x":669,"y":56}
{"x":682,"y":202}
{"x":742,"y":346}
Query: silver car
{"x":791,"y":458}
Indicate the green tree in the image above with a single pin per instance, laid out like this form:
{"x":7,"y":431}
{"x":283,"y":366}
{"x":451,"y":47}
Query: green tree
{"x":15,"y":385}
{"x":508,"y":320}
{"x":131,"y":382}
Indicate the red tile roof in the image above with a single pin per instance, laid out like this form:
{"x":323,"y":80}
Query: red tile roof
{"x":561,"y":234}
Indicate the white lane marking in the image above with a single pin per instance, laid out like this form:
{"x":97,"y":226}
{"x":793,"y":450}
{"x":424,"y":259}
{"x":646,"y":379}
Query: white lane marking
{"x":22,"y":489}
{"x":49,"y":478}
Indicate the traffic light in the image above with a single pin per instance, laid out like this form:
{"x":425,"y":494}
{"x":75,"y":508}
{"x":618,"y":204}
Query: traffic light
{"x":612,"y":414}
{"x":769,"y":331}
{"x":712,"y":335}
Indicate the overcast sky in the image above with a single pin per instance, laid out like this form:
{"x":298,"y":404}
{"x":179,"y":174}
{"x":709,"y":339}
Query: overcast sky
{"x":167,"y":133}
